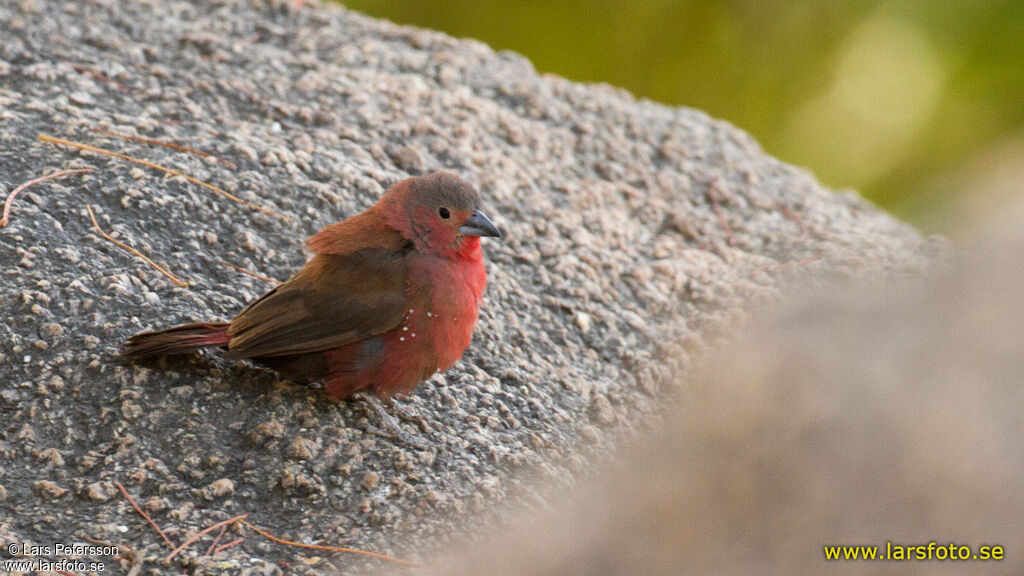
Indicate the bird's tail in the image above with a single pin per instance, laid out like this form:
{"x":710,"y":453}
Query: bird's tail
{"x":178,"y":340}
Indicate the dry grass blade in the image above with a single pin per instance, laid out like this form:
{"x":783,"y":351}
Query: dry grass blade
{"x":95,"y":74}
{"x":131,"y":556}
{"x":224,"y":547}
{"x":273,"y":538}
{"x":10,"y":197}
{"x":79,"y":145}
{"x":783,"y":265}
{"x":201,"y":533}
{"x":216,"y":540}
{"x":713,"y":195}
{"x":172,"y":277}
{"x":253,"y":274}
{"x":170,"y":145}
{"x":804,"y":230}
{"x":136,"y":506}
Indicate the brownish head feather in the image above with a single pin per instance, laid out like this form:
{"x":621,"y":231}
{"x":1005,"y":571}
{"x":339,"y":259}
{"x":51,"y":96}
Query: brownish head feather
{"x":430,"y":210}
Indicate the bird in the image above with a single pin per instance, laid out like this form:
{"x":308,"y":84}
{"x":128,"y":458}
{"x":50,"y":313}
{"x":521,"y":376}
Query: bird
{"x":390,"y":296}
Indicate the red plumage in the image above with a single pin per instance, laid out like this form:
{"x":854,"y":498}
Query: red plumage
{"x":390,"y":296}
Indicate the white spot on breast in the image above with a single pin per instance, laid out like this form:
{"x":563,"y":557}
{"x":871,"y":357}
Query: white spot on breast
{"x":411,"y":310}
{"x":402,"y":339}
{"x":429,"y":314}
{"x":405,"y":328}
{"x":413,"y":334}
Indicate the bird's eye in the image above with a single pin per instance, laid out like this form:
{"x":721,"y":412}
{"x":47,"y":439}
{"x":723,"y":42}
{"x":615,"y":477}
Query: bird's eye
{"x":444,"y":213}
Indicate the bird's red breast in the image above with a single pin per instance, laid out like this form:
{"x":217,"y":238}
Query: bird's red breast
{"x":435,"y":329}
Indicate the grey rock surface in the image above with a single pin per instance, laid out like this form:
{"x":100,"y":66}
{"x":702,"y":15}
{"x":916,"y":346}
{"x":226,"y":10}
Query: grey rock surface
{"x":633,"y":232}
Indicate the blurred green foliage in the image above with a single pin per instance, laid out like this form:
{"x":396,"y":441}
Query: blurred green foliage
{"x":892,"y":97}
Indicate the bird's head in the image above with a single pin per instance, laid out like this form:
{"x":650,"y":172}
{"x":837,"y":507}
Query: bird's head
{"x":440,"y":213}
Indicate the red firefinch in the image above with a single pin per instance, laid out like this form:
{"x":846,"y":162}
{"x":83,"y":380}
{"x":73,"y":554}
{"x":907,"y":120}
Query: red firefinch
{"x":389,"y":297}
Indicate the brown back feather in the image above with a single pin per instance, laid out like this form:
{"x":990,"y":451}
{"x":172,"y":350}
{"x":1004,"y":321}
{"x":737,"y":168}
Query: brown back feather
{"x":336,"y":299}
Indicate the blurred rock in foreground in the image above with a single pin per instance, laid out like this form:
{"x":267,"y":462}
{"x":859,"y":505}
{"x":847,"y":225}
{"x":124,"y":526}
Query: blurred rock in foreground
{"x":876,"y":415}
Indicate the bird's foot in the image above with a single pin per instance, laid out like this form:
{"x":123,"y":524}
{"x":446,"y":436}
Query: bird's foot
{"x":409,"y":415}
{"x":392,"y":429}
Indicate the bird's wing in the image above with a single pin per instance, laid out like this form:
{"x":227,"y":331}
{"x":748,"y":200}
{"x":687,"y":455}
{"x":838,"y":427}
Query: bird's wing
{"x":335,"y":300}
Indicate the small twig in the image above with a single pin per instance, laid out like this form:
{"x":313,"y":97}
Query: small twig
{"x":135,"y":568}
{"x":216,"y":540}
{"x":170,"y":145}
{"x":132,"y":556}
{"x":393,"y":430}
{"x":804,"y":230}
{"x":10,"y":197}
{"x":224,"y":547}
{"x":781,"y":265}
{"x":201,"y":533}
{"x":172,"y":277}
{"x":409,"y":415}
{"x":46,"y":138}
{"x":143,"y":512}
{"x":718,"y":212}
{"x":253,"y":274}
{"x":105,"y":543}
{"x":129,"y":552}
{"x":97,"y":75}
{"x":273,"y":538}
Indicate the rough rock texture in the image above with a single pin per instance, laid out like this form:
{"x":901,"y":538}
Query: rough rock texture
{"x":633,"y":230}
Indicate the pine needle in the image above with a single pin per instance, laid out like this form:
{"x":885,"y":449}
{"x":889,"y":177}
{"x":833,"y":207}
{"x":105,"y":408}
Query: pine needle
{"x":170,"y":145}
{"x":95,"y":74}
{"x":713,"y":195}
{"x":273,"y":538}
{"x":143,"y":514}
{"x":224,"y":547}
{"x":783,"y":265}
{"x":51,"y":139}
{"x":209,"y":551}
{"x":172,"y":277}
{"x":10,"y":197}
{"x":200,"y":534}
{"x":253,"y":274}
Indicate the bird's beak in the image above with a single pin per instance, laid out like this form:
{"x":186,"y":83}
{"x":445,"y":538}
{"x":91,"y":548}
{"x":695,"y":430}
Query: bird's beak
{"x":479,"y":225}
